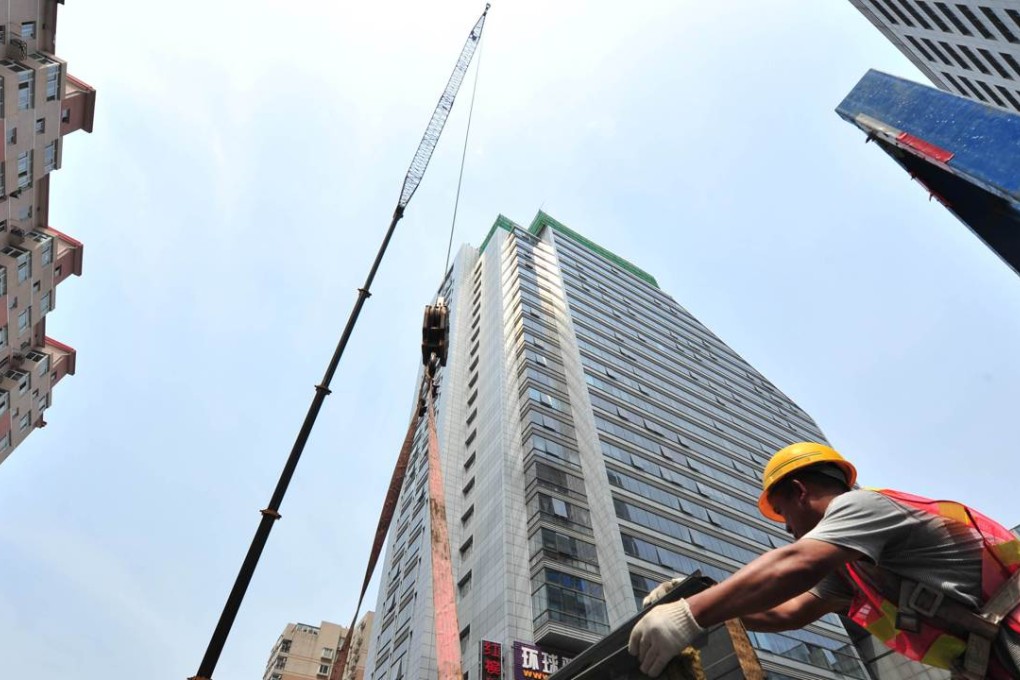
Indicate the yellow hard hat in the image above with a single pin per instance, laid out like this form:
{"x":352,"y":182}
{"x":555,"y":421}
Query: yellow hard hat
{"x":797,"y":457}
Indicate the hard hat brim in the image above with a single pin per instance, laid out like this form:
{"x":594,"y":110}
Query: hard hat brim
{"x":765,"y":508}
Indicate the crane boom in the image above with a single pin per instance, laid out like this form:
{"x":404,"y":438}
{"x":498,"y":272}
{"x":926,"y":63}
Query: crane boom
{"x":419,"y":163}
{"x":435,"y":127}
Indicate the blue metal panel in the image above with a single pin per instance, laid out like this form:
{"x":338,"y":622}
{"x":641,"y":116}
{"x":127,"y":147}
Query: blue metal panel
{"x":966,"y":153}
{"x":984,"y":139}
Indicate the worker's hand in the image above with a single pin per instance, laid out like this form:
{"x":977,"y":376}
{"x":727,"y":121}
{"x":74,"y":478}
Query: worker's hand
{"x":661,"y":634}
{"x":660,"y":591}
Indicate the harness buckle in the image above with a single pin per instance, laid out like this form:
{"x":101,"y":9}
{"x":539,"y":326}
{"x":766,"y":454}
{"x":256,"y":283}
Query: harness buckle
{"x":924,"y":600}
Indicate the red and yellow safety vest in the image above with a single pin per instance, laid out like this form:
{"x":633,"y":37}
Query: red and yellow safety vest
{"x":1000,"y":558}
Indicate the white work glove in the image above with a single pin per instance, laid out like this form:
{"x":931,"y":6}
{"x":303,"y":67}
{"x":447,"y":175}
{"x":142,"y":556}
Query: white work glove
{"x":660,"y":591}
{"x":661,"y":634}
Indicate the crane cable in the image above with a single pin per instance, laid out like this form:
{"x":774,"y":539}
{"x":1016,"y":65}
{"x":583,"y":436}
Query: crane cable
{"x":463,"y":157}
{"x":444,"y":603}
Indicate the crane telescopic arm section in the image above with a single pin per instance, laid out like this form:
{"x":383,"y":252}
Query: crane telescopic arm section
{"x":415,"y":173}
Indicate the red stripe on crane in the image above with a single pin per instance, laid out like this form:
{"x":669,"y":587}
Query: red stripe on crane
{"x":925,"y":148}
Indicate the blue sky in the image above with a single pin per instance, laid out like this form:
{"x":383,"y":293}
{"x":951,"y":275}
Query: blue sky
{"x":242,"y":171}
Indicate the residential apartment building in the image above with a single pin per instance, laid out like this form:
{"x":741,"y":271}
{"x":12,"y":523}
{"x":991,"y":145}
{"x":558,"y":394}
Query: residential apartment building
{"x":596,"y":439}
{"x":970,"y":47}
{"x":357,"y":659}
{"x":40,"y":103}
{"x":304,"y":652}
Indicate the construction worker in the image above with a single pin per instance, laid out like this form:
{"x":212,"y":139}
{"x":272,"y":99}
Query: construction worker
{"x":935,"y":581}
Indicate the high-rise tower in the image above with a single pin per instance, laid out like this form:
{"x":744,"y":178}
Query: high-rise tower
{"x":970,"y":47}
{"x":595,"y":439}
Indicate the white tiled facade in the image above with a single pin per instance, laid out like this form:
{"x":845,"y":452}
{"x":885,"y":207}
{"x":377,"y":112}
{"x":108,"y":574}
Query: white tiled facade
{"x":970,"y":47}
{"x":596,"y":439}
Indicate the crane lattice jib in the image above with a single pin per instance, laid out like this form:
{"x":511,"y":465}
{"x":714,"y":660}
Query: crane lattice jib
{"x":439,"y":116}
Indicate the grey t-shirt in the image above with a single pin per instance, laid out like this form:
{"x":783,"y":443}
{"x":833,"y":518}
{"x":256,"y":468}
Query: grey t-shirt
{"x":898,"y":542}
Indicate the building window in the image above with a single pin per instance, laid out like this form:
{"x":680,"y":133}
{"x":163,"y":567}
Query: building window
{"x":24,"y":380}
{"x":5,"y":442}
{"x":65,"y":116}
{"x":46,"y":251}
{"x":999,"y":24}
{"x":281,"y":661}
{"x":53,"y":83}
{"x":40,"y":126}
{"x":12,"y":136}
{"x":26,"y":89}
{"x":25,"y":169}
{"x":25,"y":212}
{"x":25,"y":422}
{"x":24,"y":320}
{"x":5,"y":401}
{"x":3,"y":280}
{"x":3,"y":336}
{"x":327,"y":652}
{"x":27,"y":30}
{"x":50,"y":156}
{"x":46,"y":303}
{"x":464,"y":585}
{"x":953,"y":18}
{"x":323,"y":669}
{"x":982,"y":29}
{"x":44,"y":402}
{"x":284,"y":646}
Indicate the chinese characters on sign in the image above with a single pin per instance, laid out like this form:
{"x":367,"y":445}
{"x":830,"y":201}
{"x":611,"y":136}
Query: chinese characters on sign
{"x":532,"y":663}
{"x":492,"y":660}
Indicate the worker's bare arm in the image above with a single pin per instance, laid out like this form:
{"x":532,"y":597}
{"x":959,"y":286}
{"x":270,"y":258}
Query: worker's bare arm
{"x":792,"y":614}
{"x":771,"y":580}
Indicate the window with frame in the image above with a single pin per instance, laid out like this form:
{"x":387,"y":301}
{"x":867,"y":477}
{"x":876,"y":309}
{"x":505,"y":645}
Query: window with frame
{"x":50,"y":156}
{"x":5,"y":442}
{"x":53,"y":83}
{"x":25,"y":422}
{"x":46,"y":303}
{"x":27,"y":30}
{"x":25,"y":169}
{"x":40,"y":126}
{"x":24,"y":320}
{"x":44,"y":402}
{"x":26,"y":89}
{"x":323,"y":669}
{"x":46,"y":251}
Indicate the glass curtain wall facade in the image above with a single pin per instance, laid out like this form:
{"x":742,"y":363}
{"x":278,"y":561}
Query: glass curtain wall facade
{"x":596,"y":439}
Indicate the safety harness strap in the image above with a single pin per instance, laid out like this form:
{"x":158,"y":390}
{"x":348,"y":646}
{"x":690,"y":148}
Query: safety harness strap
{"x":385,"y":519}
{"x":443,"y":600}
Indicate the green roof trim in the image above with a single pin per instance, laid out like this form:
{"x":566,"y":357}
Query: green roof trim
{"x":543,"y":220}
{"x":500,"y":223}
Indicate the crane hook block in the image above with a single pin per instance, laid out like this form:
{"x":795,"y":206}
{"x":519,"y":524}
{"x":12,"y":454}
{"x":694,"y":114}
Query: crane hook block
{"x":435,"y":332}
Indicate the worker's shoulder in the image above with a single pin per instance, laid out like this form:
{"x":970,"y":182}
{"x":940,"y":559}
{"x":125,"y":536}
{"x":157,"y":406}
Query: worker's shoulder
{"x":865,"y":500}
